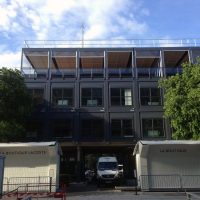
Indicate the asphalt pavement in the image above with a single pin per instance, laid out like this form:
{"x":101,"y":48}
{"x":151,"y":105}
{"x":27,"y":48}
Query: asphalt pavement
{"x":84,"y":191}
{"x":117,"y":195}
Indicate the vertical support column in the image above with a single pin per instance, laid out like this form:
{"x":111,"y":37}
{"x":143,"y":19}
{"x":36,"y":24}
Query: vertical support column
{"x":48,"y":83}
{"x":133,"y":65}
{"x":167,"y":126}
{"x":47,"y":97}
{"x":136,"y":100}
{"x":77,"y":64}
{"x":162,"y":64}
{"x":191,"y":59}
{"x":106,"y":111}
{"x":78,"y":163}
{"x":106,"y":100}
{"x":105,"y":65}
{"x":77,"y":102}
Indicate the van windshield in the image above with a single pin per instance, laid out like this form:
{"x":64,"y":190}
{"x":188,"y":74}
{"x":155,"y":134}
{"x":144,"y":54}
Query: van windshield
{"x":107,"y":165}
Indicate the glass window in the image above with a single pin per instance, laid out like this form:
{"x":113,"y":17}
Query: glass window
{"x":116,"y":127}
{"x":91,"y":97}
{"x":92,"y":128}
{"x":37,"y":96}
{"x":122,"y":127}
{"x":150,"y":96}
{"x":153,"y":127}
{"x":62,"y":97}
{"x":33,"y":129}
{"x":63,"y":128}
{"x":121,"y":97}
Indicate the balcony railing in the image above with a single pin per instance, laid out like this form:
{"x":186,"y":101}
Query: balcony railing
{"x":149,"y":72}
{"x":65,"y":73}
{"x":100,"y":73}
{"x":35,"y":74}
{"x":169,"y":71}
{"x":120,"y":73}
{"x":185,"y":42}
{"x":91,"y":73}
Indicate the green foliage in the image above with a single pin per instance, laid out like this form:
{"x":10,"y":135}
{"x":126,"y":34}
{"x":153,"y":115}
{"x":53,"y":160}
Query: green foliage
{"x":15,"y":103}
{"x":11,"y":131}
{"x":182,"y":101}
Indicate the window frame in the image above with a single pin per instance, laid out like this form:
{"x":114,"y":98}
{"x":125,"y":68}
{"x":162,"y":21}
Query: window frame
{"x":64,"y":121}
{"x":121,"y":96}
{"x":32,"y":92}
{"x":92,"y":128}
{"x":91,"y":97}
{"x":152,"y":127}
{"x":122,"y":134}
{"x":62,"y":96}
{"x":160,"y":103}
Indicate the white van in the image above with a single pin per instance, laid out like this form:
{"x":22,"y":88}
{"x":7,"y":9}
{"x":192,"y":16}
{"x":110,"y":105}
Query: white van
{"x":107,"y":170}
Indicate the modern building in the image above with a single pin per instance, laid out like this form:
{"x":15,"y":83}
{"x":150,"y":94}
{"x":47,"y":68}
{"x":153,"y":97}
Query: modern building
{"x":100,"y":98}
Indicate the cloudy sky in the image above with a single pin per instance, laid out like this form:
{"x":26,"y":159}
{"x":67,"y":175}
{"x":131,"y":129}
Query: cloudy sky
{"x":103,"y":19}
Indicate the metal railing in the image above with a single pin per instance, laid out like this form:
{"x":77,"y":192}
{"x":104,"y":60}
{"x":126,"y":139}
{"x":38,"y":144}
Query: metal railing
{"x":169,"y":182}
{"x":63,"y":73}
{"x":155,"y":72}
{"x":185,"y":42}
{"x":21,"y":194}
{"x":137,"y":72}
{"x":191,"y":196}
{"x":43,"y":183}
{"x":91,"y":73}
{"x":156,"y":182}
{"x":120,"y":72}
{"x":169,"y":71}
{"x":31,"y":73}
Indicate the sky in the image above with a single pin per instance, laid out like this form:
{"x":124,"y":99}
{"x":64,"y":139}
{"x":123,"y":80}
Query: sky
{"x":103,"y":19}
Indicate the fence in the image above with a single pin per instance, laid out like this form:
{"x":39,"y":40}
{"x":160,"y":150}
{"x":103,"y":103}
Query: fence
{"x":191,"y":196}
{"x":20,"y":194}
{"x":33,"y":184}
{"x":185,"y":42}
{"x":169,"y":182}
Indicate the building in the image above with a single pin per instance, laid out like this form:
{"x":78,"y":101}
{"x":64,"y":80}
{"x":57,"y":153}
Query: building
{"x":99,"y":100}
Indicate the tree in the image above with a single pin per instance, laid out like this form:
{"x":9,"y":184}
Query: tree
{"x":15,"y":105}
{"x":182,"y":101}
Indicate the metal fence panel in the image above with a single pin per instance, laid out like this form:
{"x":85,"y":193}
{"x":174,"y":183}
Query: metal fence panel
{"x":33,"y":184}
{"x":191,"y":181}
{"x":154,"y":182}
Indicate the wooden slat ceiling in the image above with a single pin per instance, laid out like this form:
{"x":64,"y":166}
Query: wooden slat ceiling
{"x":92,"y":62}
{"x":119,"y":59}
{"x":38,"y":61}
{"x":64,"y":62}
{"x":147,"y":62}
{"x":175,"y":58}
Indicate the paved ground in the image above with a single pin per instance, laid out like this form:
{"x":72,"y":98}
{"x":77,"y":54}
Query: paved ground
{"x":82,"y":191}
{"x":116,"y":195}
